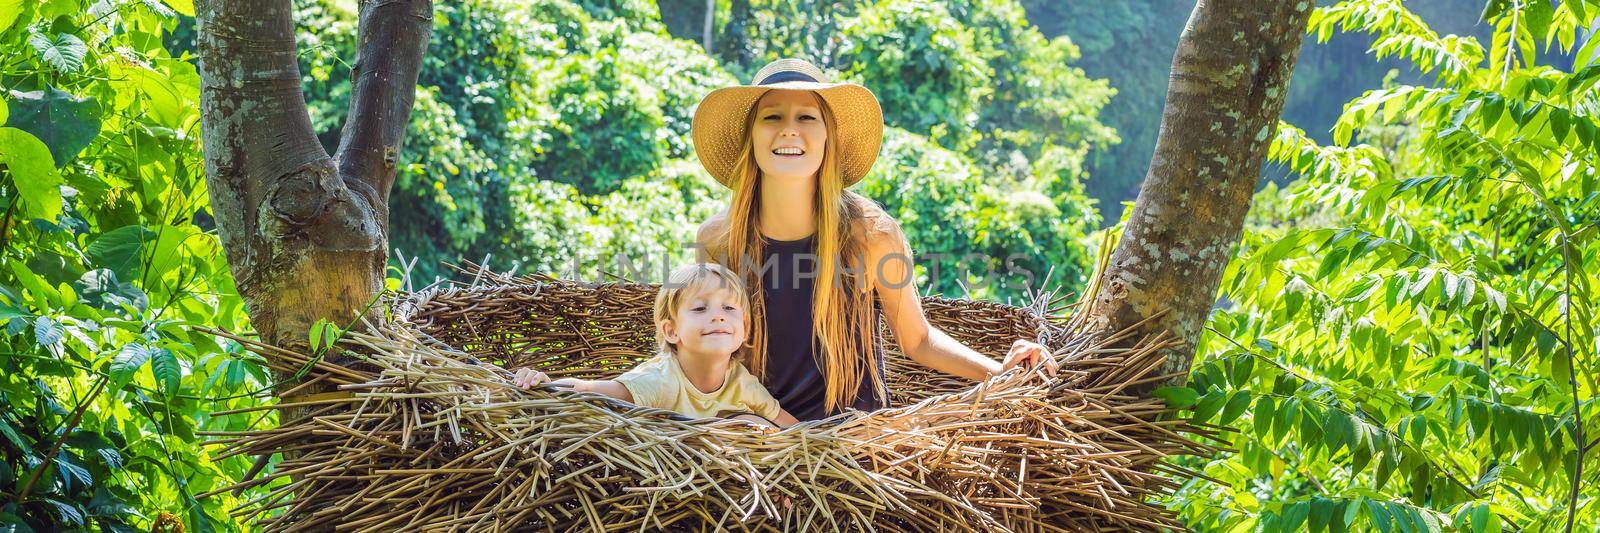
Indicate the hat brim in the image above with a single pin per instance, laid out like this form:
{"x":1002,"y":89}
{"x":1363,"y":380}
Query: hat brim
{"x":719,"y":125}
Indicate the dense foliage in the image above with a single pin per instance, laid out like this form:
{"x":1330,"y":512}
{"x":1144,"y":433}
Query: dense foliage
{"x":1408,"y":332}
{"x":1410,"y":344}
{"x":1131,"y":43}
{"x":110,"y":273}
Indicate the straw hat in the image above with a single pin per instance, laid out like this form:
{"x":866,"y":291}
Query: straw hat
{"x":719,"y":120}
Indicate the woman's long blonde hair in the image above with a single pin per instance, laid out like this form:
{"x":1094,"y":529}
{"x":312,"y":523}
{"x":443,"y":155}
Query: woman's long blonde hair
{"x":844,"y":323}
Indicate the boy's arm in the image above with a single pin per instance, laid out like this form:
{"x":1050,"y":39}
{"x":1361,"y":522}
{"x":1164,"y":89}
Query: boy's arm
{"x":785,"y":419}
{"x":608,"y":387}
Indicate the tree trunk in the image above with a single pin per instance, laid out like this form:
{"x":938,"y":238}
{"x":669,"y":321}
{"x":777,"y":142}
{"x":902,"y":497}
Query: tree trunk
{"x":1229,"y":79}
{"x":306,"y":234}
{"x":706,"y":39}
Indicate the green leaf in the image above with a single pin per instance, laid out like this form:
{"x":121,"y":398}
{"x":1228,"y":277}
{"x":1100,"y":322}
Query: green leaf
{"x":1209,"y":405}
{"x":8,"y":312}
{"x":1262,"y":416}
{"x":1493,"y":106}
{"x":106,"y":505}
{"x":1342,"y":521}
{"x":119,"y":250}
{"x":1585,"y":56}
{"x":1236,"y":406}
{"x":1420,"y":477}
{"x":1336,"y":429}
{"x":72,"y":472}
{"x":68,"y":512}
{"x":1560,"y":368}
{"x":47,"y":332}
{"x":1310,"y":426}
{"x":15,"y":438}
{"x":323,"y":335}
{"x":1492,"y":10}
{"x":65,"y":123}
{"x":1321,"y":513}
{"x":13,"y":523}
{"x":199,"y":521}
{"x":1560,"y":123}
{"x":37,"y":180}
{"x":1480,"y":518}
{"x":1478,"y":417}
{"x":1285,"y":418}
{"x":5,"y":109}
{"x":1241,"y":370}
{"x":128,"y":360}
{"x":1378,"y":515}
{"x":65,"y":51}
{"x":9,"y":9}
{"x":164,"y":366}
{"x":1294,"y":515}
{"x":156,"y":92}
{"x":100,"y":288}
{"x":173,"y":246}
{"x":184,"y":7}
{"x":1332,"y":262}
{"x":1176,"y":397}
{"x":90,"y":441}
{"x":1538,"y":15}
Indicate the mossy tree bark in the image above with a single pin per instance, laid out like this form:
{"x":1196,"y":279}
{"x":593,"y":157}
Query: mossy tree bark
{"x":1229,"y":79}
{"x":306,"y":234}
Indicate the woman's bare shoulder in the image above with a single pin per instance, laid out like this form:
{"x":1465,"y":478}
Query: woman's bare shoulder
{"x":877,"y":228}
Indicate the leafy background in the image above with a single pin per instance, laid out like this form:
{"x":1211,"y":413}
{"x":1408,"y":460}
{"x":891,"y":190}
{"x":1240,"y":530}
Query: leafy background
{"x":1406,"y":340}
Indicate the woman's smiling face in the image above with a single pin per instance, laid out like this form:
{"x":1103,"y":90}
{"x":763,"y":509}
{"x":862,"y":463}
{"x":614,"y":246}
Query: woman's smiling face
{"x":788,"y":134}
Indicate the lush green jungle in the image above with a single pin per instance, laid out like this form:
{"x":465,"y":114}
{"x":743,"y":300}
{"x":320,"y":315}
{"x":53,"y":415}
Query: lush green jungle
{"x":1406,"y":340}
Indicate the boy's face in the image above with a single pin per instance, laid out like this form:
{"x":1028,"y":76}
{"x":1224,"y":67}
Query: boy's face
{"x":709,"y":321}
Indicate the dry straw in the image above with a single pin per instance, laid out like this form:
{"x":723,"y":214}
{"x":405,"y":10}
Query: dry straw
{"x":421,"y":436}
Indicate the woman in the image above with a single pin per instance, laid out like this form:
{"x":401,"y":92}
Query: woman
{"x":813,"y":253}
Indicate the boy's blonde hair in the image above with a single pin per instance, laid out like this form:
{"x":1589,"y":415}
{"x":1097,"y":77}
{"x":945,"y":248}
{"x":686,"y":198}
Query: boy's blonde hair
{"x":691,"y":279}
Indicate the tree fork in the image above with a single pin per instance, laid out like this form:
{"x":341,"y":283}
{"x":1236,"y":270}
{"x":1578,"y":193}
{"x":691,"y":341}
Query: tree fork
{"x":1230,"y":76}
{"x":306,"y":234}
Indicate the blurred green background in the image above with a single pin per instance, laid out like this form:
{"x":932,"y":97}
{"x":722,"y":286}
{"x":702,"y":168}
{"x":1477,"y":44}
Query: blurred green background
{"x":1406,"y":335}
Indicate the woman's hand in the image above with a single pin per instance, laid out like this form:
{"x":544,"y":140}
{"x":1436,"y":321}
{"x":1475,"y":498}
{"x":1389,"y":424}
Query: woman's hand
{"x":527,"y":378}
{"x":1029,"y":354}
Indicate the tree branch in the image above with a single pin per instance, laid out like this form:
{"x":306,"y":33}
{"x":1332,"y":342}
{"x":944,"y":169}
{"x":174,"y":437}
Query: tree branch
{"x":49,"y":458}
{"x":250,"y":88}
{"x":302,"y":243}
{"x":393,"y":39}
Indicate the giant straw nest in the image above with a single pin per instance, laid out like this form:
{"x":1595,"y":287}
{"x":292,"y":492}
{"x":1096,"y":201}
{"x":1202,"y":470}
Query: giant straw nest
{"x":423,"y":430}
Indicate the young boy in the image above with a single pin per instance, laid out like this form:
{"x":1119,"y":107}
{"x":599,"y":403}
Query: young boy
{"x":701,"y":325}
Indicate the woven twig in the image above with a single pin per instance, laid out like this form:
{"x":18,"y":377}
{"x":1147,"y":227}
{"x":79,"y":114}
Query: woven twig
{"x":430,"y":434}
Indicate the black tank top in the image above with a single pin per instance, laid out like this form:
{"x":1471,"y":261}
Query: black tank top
{"x":793,"y":375}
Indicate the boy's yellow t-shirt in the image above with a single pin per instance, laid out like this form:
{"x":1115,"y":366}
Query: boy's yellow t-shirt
{"x":659,"y":382}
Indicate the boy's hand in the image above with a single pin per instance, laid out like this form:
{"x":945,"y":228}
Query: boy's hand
{"x":527,"y":378}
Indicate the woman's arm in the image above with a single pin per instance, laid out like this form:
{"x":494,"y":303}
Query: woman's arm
{"x":889,"y":264}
